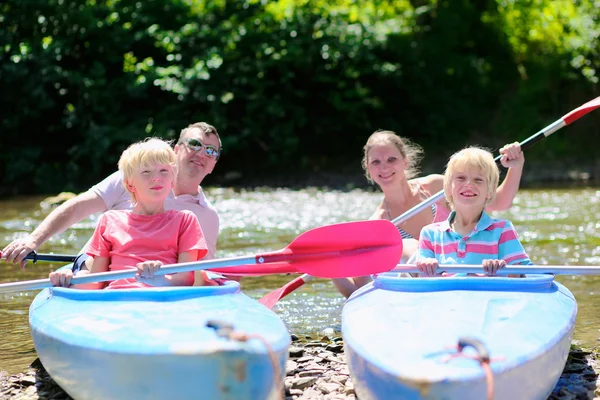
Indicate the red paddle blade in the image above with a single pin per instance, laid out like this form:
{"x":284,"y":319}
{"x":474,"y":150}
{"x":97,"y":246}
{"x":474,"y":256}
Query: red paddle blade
{"x":333,"y":251}
{"x":270,"y":299}
{"x":581,"y":111}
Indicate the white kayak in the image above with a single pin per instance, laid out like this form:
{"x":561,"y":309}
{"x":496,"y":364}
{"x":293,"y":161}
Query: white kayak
{"x":401,"y":336}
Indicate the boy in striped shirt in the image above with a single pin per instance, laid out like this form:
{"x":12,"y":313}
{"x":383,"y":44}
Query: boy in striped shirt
{"x":469,"y":235}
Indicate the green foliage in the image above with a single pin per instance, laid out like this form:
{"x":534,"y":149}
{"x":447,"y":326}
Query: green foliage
{"x":292,"y":85}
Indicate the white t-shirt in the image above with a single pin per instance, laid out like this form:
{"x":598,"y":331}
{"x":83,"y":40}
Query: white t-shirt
{"x":115,"y":197}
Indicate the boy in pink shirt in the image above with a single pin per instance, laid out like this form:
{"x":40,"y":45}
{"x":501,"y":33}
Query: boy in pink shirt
{"x":147,"y":236}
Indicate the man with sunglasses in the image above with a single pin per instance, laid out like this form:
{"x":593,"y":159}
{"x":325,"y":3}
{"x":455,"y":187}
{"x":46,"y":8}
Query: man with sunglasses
{"x":198,"y":149}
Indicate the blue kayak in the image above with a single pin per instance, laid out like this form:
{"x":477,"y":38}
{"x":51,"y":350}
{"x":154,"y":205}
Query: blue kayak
{"x":154,"y":343}
{"x":401,"y":336}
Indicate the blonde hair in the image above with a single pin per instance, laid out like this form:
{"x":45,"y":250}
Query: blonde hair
{"x":413,"y":153}
{"x":472,"y":157}
{"x":144,"y":154}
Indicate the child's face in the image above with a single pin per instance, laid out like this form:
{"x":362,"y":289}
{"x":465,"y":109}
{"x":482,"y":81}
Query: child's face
{"x":152,"y":184}
{"x":386,"y":164}
{"x":469,"y":188}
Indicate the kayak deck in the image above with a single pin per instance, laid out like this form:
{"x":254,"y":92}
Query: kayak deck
{"x":155,"y":342}
{"x":401,"y":335}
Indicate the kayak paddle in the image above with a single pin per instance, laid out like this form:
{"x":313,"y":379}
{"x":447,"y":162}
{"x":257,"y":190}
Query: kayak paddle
{"x":277,"y":294}
{"x":270,"y":299}
{"x":331,"y":251}
{"x":48,"y":257}
{"x":547,"y":131}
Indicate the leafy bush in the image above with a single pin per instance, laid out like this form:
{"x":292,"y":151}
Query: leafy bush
{"x":292,"y":85}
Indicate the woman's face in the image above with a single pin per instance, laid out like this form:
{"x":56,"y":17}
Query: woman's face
{"x":386,"y":164}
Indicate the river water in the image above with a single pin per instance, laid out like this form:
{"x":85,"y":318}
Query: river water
{"x":556,"y":226}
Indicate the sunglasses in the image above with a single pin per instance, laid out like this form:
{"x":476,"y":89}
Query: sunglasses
{"x":210,"y":150}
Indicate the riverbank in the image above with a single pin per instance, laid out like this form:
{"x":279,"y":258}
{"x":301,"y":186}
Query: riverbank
{"x":317,"y":370}
{"x":536,"y":174}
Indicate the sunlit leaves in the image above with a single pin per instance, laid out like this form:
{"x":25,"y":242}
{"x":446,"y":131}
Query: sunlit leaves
{"x":46,"y":42}
{"x":169,"y":79}
{"x":281,"y":75}
{"x":198,"y":71}
{"x":129,"y":62}
{"x":537,"y":29}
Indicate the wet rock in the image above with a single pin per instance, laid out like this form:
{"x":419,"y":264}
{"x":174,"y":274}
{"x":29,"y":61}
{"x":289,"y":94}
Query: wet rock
{"x":341,"y":379}
{"x":312,"y":366}
{"x":335,"y":348}
{"x":33,"y":384}
{"x":311,"y":394}
{"x":27,"y":380}
{"x":327,"y":387}
{"x":296,"y":352}
{"x":327,"y":333}
{"x":303,"y":382}
{"x":575,"y":367}
{"x":310,"y":373}
{"x":291,"y":367}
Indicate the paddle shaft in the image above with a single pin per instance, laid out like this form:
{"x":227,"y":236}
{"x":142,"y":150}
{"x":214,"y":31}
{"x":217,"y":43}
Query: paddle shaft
{"x":219,"y":265}
{"x":50,"y":257}
{"x":270,"y":299}
{"x":331,"y":251}
{"x":550,"y":129}
{"x":567,"y":119}
{"x":509,"y":269}
{"x":260,"y":259}
{"x":129,"y":273}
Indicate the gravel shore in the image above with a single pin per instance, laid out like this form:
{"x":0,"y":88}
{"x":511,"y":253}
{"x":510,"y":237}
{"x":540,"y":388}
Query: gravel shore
{"x":317,"y":370}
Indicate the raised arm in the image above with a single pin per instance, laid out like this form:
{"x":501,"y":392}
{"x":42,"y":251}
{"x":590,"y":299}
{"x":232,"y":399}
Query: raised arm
{"x":513,"y":159}
{"x":59,"y":220}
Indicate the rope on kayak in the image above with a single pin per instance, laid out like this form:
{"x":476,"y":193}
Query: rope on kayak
{"x":226,"y":330}
{"x":483,"y":356}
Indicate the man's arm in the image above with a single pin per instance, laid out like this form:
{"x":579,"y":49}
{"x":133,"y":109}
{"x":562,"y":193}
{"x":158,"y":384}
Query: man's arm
{"x":59,"y":220}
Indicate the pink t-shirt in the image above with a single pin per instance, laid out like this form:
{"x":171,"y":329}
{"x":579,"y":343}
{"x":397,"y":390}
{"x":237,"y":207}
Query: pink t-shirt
{"x":128,"y":238}
{"x":115,"y":197}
